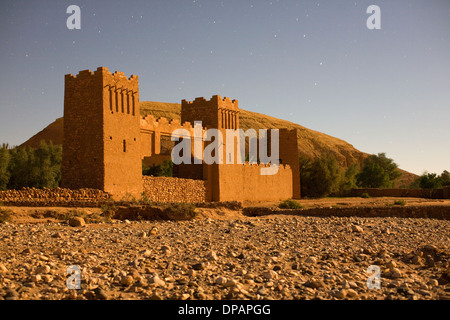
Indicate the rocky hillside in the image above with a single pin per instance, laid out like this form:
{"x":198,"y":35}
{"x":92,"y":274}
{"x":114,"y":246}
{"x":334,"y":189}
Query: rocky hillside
{"x":311,"y":143}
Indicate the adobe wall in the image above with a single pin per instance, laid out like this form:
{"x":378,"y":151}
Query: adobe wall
{"x":152,"y":129}
{"x":289,"y":155}
{"x":101,"y":147}
{"x":164,"y":189}
{"x":446,"y":192}
{"x":244,"y":182}
{"x":121,"y":129}
{"x":82,"y":159}
{"x":218,"y":112}
{"x":413,"y":193}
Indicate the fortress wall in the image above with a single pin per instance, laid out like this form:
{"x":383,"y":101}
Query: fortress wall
{"x":244,"y":182}
{"x":82,"y":162}
{"x":123,"y":167}
{"x":289,"y":155}
{"x":218,"y":112}
{"x":101,"y":147}
{"x":165,"y":189}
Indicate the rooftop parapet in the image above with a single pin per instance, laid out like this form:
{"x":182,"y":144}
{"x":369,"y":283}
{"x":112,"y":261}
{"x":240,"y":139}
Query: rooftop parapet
{"x":100,"y":70}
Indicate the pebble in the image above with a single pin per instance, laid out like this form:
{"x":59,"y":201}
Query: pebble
{"x":127,"y":281}
{"x":212,"y":256}
{"x":395,"y":273}
{"x":77,"y":222}
{"x":43,"y":269}
{"x":281,"y":258}
{"x":311,"y":260}
{"x":270,"y":274}
{"x":357,"y":229}
{"x":3,"y":269}
{"x":221,"y":280}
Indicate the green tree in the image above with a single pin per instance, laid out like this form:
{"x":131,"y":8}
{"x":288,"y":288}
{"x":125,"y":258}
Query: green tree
{"x":37,"y":168}
{"x":445,"y":178}
{"x":349,"y":181}
{"x":4,"y":164}
{"x":429,"y":181}
{"x":164,"y":169}
{"x":378,"y":171}
{"x":322,"y":177}
{"x":47,"y":166}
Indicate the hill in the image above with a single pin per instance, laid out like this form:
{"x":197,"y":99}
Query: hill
{"x":310,"y":143}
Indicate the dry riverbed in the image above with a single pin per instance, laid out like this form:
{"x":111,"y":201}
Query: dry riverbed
{"x":228,"y":257}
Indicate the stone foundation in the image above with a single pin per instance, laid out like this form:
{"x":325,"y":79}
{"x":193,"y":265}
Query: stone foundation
{"x":165,"y":189}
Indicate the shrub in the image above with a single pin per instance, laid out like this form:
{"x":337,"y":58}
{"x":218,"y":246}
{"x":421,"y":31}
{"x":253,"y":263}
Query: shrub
{"x":5,"y":215}
{"x":365,"y":195}
{"x":290,"y":204}
{"x":145,"y":200}
{"x":378,"y":172}
{"x":399,"y":202}
{"x":161,"y":170}
{"x":179,"y":211}
{"x":322,"y":177}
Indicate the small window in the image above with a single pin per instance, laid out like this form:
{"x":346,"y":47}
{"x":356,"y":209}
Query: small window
{"x":124,"y":146}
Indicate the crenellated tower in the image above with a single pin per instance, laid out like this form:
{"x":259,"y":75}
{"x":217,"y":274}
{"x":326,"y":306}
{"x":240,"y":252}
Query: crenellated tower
{"x":215,"y":113}
{"x":102,"y":133}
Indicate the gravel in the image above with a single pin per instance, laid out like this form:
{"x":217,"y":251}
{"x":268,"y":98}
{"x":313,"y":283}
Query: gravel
{"x":271,"y":257}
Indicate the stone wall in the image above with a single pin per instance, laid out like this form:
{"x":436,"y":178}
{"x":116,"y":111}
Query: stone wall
{"x":446,"y":192}
{"x":54,"y":197}
{"x":165,"y":189}
{"x":413,"y":193}
{"x":427,"y":212}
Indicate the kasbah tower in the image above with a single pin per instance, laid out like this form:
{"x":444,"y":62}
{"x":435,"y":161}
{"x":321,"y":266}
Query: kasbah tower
{"x":101,"y":133}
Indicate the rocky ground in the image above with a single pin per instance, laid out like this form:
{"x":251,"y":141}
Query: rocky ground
{"x":271,"y":257}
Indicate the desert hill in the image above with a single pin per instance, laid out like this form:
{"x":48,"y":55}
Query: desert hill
{"x":311,"y":143}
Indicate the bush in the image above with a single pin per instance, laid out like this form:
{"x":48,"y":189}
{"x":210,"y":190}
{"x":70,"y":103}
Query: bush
{"x":322,"y":177}
{"x":399,"y":202}
{"x":432,"y":180}
{"x":5,"y":215}
{"x":290,"y":204}
{"x":4,"y":163}
{"x":365,"y":195}
{"x":378,"y":171}
{"x":161,"y":170}
{"x":28,"y":167}
{"x":179,"y":211}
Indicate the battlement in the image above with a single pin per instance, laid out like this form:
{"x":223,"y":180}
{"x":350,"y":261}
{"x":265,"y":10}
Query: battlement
{"x":162,"y":124}
{"x":215,"y":100}
{"x":102,"y":71}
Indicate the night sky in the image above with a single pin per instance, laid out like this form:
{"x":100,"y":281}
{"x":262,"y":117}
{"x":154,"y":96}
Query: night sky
{"x":314,"y":63}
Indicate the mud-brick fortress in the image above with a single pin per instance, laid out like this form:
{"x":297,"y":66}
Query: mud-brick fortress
{"x":106,"y":141}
